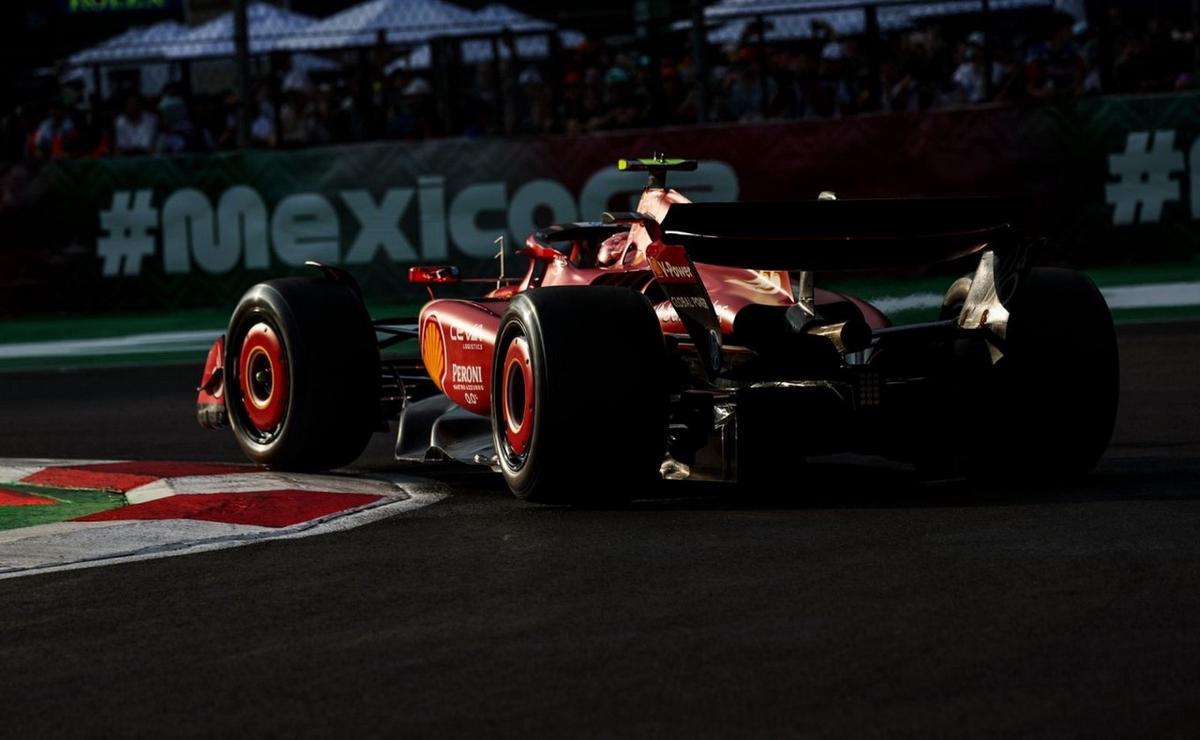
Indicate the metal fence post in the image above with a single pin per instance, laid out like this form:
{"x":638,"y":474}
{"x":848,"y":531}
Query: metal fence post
{"x":988,"y":84}
{"x":1098,"y":18}
{"x":874,"y":52}
{"x":1196,"y":43}
{"x":556,"y":78}
{"x":764,"y":69}
{"x":497,"y":86}
{"x":241,"y":43}
{"x":700,"y":60}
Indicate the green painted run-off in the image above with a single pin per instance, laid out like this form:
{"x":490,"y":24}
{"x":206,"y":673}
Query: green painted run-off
{"x":69,"y":505}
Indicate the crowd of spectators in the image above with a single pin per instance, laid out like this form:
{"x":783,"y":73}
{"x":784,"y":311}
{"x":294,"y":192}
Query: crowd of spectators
{"x":601,"y":88}
{"x":931,"y":67}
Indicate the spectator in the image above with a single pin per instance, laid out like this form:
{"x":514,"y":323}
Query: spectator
{"x":835,"y":94}
{"x":679,"y":102}
{"x":18,"y":144}
{"x":970,"y":81}
{"x":412,"y":109}
{"x":292,"y":130}
{"x":1089,"y":52}
{"x":746,"y":89}
{"x":571,"y":110}
{"x":1055,"y":68}
{"x":136,"y":128}
{"x":100,"y":142}
{"x":602,"y":87}
{"x":178,"y":133}
{"x":592,"y":113}
{"x":897,"y":88}
{"x":1010,"y":85}
{"x":263,"y":132}
{"x":1183,"y":46}
{"x":56,"y":135}
{"x":316,"y":114}
{"x":221,"y":123}
{"x":295,"y":78}
{"x":918,"y":61}
{"x":535,"y":99}
{"x":346,"y":121}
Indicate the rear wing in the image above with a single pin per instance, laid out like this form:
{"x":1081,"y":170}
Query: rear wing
{"x":657,"y":166}
{"x":838,"y":234}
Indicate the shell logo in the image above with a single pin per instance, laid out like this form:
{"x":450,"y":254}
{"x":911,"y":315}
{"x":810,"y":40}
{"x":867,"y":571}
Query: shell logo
{"x":433,"y":351}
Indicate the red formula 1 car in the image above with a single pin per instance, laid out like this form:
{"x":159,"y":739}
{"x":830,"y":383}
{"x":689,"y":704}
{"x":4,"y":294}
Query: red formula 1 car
{"x":687,"y":340}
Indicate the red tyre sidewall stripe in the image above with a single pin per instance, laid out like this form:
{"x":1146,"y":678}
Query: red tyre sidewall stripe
{"x":517,"y":433}
{"x":262,"y":339}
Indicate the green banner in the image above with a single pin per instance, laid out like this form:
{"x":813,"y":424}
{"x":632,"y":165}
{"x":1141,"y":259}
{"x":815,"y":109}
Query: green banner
{"x":1111,"y":181}
{"x":93,"y":8}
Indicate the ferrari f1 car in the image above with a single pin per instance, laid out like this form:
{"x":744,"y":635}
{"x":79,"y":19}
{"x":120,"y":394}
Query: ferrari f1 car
{"x":688,"y":340}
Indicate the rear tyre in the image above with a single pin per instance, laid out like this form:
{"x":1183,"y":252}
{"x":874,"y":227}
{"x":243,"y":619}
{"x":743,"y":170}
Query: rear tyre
{"x":302,"y":374}
{"x":1055,"y":395}
{"x":579,"y":395}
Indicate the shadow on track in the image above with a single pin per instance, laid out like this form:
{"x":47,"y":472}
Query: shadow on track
{"x":838,"y":484}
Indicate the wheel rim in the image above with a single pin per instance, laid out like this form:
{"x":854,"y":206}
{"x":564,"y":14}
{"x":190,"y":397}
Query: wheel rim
{"x":516,"y":400}
{"x":263,"y":379}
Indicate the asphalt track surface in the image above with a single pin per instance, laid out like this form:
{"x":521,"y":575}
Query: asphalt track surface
{"x":874,"y":606}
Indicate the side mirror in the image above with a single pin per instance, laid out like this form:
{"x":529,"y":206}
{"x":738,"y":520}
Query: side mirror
{"x":433,"y":275}
{"x":539,"y":251}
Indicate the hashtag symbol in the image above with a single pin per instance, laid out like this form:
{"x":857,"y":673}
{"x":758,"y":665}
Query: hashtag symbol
{"x":127,"y":238}
{"x":1144,"y":171}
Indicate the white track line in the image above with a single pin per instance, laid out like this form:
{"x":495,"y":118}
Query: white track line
{"x":896,"y":304}
{"x":1157,"y":295}
{"x":1162,"y":295}
{"x":129,"y":344}
{"x":1151,"y":295}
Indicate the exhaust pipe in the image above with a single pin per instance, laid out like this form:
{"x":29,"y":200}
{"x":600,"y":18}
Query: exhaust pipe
{"x":851,"y":335}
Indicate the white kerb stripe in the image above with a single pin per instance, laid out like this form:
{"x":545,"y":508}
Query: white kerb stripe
{"x":13,"y":469}
{"x":252,"y":481}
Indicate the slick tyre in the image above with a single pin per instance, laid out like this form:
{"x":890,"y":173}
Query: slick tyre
{"x":579,"y":395}
{"x":1056,"y":389}
{"x":302,"y":374}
